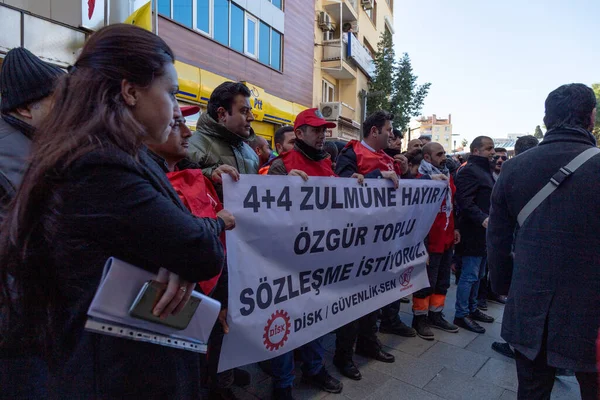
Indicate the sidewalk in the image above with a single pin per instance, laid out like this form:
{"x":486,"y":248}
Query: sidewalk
{"x":455,"y":366}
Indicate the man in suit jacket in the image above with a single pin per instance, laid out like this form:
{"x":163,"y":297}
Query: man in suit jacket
{"x":553,"y":310}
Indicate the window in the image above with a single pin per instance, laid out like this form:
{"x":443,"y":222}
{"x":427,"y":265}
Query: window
{"x":237,"y":28}
{"x":164,"y":7}
{"x":230,"y":25}
{"x":447,"y":128}
{"x":203,"y":16}
{"x":251,"y":35}
{"x":182,"y":12}
{"x":437,"y":128}
{"x":275,"y":49}
{"x":221,"y":21}
{"x":372,"y":13}
{"x":328,"y":94}
{"x":264,"y":42}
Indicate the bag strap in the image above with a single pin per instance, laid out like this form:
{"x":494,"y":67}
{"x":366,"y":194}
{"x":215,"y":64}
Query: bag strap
{"x":555,"y":182}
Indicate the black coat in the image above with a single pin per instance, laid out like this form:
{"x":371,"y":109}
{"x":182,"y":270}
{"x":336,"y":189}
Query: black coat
{"x":110,"y":205}
{"x":555,"y":278}
{"x":474,"y":183}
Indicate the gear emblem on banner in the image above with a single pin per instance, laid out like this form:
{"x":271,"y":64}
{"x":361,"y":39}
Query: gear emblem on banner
{"x":405,"y":277}
{"x":277,"y":330}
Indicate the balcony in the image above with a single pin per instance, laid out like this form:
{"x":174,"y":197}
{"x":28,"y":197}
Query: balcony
{"x":341,"y":57}
{"x":342,"y":11}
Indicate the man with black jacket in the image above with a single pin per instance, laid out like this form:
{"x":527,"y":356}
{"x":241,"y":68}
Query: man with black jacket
{"x":552,"y":314}
{"x":474,"y":183}
{"x":26,"y":87}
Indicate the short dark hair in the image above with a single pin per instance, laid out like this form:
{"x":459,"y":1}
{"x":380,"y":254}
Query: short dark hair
{"x":477,"y":143}
{"x":332,"y":149}
{"x":376,"y":119}
{"x":223,"y":96}
{"x":415,"y":156}
{"x":398,"y":133}
{"x":280,"y":133}
{"x":426,"y":137}
{"x":500,"y":150}
{"x":570,"y":105}
{"x":525,"y":143}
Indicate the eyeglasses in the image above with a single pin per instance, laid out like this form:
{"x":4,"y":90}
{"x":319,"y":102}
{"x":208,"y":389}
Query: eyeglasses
{"x":504,"y":158}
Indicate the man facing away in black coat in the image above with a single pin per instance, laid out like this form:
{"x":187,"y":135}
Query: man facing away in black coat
{"x":474,"y":183}
{"x":552,"y":314}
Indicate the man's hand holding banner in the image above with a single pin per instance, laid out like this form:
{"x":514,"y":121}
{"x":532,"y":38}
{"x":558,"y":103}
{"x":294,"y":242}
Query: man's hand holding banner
{"x":308,"y":257}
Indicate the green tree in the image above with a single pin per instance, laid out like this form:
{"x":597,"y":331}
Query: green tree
{"x":407,"y":97}
{"x":538,"y":133}
{"x":381,"y":82}
{"x":596,"y":131}
{"x":394,"y":86}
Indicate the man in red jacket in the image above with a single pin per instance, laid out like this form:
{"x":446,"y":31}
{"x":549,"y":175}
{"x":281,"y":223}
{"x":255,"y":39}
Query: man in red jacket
{"x":368,"y":158}
{"x":428,"y":303}
{"x":307,"y":158}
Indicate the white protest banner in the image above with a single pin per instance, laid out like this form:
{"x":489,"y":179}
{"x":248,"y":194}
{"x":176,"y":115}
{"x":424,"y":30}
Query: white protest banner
{"x":308,"y":257}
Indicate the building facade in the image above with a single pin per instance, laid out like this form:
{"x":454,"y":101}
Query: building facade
{"x":264,"y":43}
{"x":438,"y":129}
{"x":346,"y":35}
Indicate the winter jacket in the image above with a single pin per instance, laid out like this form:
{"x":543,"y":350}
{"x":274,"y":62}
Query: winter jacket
{"x":553,"y":284}
{"x":108,"y":204}
{"x":474,"y":183}
{"x":356,"y":158}
{"x":15,"y":147}
{"x":212,"y":145}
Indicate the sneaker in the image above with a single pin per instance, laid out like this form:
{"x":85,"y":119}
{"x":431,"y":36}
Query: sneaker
{"x":397,"y":328}
{"x":479,"y":316}
{"x":222,"y":394}
{"x":283,"y":393}
{"x":469,"y":324}
{"x":504,"y":349}
{"x":482,"y":305}
{"x":325,"y":382}
{"x":497,"y":298}
{"x":437,"y":320}
{"x":420,"y":325}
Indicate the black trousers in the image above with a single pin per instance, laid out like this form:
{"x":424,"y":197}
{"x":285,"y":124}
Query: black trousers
{"x":216,"y":380}
{"x":389,"y":313}
{"x":438,"y":271}
{"x":536,"y":378}
{"x":362,"y":331}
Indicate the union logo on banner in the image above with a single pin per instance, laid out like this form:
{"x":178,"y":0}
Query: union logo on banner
{"x":277,"y":330}
{"x":405,"y":277}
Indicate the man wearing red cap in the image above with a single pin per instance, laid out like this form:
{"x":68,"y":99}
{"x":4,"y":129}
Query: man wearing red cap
{"x":307,"y":158}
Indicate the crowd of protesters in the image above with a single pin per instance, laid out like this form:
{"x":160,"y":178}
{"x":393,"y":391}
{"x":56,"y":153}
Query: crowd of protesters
{"x":99,"y":162}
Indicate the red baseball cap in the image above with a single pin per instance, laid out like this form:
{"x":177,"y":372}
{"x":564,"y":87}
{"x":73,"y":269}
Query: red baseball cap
{"x":186,"y":111}
{"x":312,"y":117}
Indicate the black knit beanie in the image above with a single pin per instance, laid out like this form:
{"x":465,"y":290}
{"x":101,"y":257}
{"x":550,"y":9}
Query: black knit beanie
{"x":24,"y":79}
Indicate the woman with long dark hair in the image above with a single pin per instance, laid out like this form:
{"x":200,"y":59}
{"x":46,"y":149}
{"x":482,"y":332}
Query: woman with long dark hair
{"x":92,"y":192}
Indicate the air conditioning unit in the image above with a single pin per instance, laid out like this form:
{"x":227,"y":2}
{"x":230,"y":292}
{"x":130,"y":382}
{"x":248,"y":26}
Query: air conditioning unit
{"x":325,"y":22}
{"x":366,"y":4}
{"x":331,"y":111}
{"x":350,"y":26}
{"x":327,"y":35}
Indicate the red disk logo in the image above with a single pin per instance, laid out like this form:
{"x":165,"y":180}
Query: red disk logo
{"x":277,"y":330}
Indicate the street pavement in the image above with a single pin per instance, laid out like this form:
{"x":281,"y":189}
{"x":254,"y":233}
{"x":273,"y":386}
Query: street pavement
{"x":454,"y":366}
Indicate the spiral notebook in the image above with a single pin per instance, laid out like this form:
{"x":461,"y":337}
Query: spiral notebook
{"x":109,"y":312}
